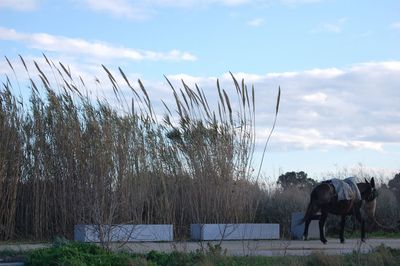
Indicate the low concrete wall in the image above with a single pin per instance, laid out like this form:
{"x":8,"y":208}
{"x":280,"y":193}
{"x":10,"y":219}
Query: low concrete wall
{"x":123,"y":232}
{"x":297,"y":230}
{"x":234,"y":231}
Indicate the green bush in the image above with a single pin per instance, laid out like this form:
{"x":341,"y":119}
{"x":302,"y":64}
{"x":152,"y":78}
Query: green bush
{"x":78,"y":254}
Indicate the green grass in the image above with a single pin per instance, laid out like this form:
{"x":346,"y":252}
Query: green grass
{"x":77,"y":254}
{"x":9,"y":255}
{"x":89,"y":254}
{"x":377,"y":234}
{"x":380,"y":234}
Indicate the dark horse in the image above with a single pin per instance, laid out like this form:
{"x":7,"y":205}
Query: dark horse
{"x":325,"y":199}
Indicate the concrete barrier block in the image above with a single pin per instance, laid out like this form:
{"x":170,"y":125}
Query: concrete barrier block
{"x":234,"y":231}
{"x":297,"y":229}
{"x":123,"y":232}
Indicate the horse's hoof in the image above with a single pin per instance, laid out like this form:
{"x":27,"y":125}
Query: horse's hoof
{"x":305,"y":238}
{"x":324,"y":241}
{"x":363,"y":240}
{"x":342,"y":241}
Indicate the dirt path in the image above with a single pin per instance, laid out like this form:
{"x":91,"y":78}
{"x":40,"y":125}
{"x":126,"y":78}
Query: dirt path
{"x":269,"y":247}
{"x":242,"y":248}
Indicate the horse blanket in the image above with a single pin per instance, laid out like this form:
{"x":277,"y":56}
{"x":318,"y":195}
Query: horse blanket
{"x":346,"y":189}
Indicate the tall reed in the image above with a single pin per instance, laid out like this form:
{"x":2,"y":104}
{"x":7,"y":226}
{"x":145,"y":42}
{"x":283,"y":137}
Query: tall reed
{"x":67,"y":158}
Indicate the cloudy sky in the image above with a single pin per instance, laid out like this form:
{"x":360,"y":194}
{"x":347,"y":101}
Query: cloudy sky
{"x":336,"y":61}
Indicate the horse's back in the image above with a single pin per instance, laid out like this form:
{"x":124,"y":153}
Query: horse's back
{"x":323,"y":193}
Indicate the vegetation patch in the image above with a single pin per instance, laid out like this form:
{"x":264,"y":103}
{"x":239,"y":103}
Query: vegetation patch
{"x":9,"y":256}
{"x":78,"y":254}
{"x":68,"y":157}
{"x":89,"y":254}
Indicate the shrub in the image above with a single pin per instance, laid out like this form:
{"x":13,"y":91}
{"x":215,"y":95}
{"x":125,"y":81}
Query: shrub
{"x":388,"y":208}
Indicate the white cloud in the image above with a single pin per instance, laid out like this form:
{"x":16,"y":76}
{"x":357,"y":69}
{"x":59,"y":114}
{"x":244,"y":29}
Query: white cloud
{"x":192,"y":80}
{"x":324,"y":73}
{"x":313,"y":139}
{"x":191,"y":3}
{"x":21,"y":5}
{"x":257,"y":22}
{"x":229,"y":2}
{"x":142,"y":9}
{"x":334,"y":27}
{"x":352,"y":108}
{"x":248,"y":77}
{"x":282,"y":75}
{"x":299,"y":2}
{"x":93,"y":49}
{"x":395,"y":25}
{"x":318,"y":98}
{"x":234,"y":2}
{"x":118,"y":8}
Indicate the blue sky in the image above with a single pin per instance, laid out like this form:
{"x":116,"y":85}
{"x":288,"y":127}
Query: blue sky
{"x":337,"y":62}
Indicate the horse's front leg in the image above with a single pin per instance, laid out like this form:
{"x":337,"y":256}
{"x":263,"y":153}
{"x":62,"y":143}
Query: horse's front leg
{"x":342,"y":224}
{"x":362,"y":222}
{"x":322,"y":221}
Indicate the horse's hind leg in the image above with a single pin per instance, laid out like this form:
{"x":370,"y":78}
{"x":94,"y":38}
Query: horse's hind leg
{"x":309,"y":215}
{"x":306,"y":225}
{"x":322,"y":221}
{"x":342,"y":224}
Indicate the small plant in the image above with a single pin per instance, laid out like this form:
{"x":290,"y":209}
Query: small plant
{"x":321,"y":259}
{"x":60,"y":241}
{"x":173,"y":258}
{"x":215,"y":250}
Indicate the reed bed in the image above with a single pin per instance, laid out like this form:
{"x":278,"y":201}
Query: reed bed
{"x":67,"y":158}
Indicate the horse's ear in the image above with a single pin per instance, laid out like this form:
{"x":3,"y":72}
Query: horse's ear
{"x":372,"y":182}
{"x":366,"y":181}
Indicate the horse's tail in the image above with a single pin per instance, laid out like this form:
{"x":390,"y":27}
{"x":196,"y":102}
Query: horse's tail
{"x":312,"y":208}
{"x":309,"y":212}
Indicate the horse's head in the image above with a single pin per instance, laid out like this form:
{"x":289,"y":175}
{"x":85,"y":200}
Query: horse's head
{"x":369,"y":194}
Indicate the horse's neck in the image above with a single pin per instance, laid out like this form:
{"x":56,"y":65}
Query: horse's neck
{"x":362,"y":187}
